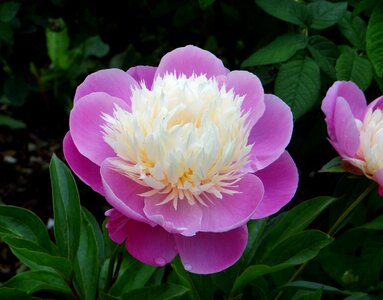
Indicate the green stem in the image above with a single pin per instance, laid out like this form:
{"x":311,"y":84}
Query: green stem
{"x":109,"y":276}
{"x":332,"y":230}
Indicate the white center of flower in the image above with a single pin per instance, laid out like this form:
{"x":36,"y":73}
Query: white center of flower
{"x":371,"y":143}
{"x":185,"y":139}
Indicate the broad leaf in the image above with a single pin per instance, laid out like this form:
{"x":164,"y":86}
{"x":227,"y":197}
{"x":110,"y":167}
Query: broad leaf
{"x":374,"y":38}
{"x":162,"y":292}
{"x":8,"y":11}
{"x":66,"y":207}
{"x":42,"y":261}
{"x":297,"y":249}
{"x":298,"y":83}
{"x":11,"y":122}
{"x":279,"y":50}
{"x":94,"y":46}
{"x":34,"y":281}
{"x":13,"y":293}
{"x":23,"y":224}
{"x":87,"y":261}
{"x":205,"y":3}
{"x":376,"y":224}
{"x":323,"y":14}
{"x":316,"y":286}
{"x":351,"y":66}
{"x":324,"y":53}
{"x":333,"y":166}
{"x":308,"y":295}
{"x":353,"y":29}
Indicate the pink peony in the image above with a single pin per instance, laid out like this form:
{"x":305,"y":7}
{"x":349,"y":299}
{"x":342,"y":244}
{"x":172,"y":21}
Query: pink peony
{"x":356,"y":129}
{"x":186,"y":153}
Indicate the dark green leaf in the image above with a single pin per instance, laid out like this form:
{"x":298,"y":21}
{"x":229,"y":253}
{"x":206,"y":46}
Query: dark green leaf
{"x":297,"y":249}
{"x":162,"y":292}
{"x":323,"y":14}
{"x":16,"y":90}
{"x":8,"y":11}
{"x":308,"y":295}
{"x":43,"y":261}
{"x":298,"y":83}
{"x":371,"y":263}
{"x":333,"y":166}
{"x":286,"y":10}
{"x":376,"y":224}
{"x":66,"y":207}
{"x":104,"y":296}
{"x":296,"y":220}
{"x":92,"y":222}
{"x":353,"y":29}
{"x":279,"y":50}
{"x":135,"y":276}
{"x":34,"y":281}
{"x":205,"y":3}
{"x":87,"y":261}
{"x":12,"y":294}
{"x":6,"y":32}
{"x":316,"y":286}
{"x":254,"y":272}
{"x":11,"y":122}
{"x":351,"y":66}
{"x":24,"y":225}
{"x":94,"y":46}
{"x":324,"y":53}
{"x":374,"y":38}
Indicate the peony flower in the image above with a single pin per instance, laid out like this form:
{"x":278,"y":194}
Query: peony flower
{"x":356,"y":129}
{"x":186,"y":153}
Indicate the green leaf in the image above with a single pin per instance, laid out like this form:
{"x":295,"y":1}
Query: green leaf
{"x":279,"y":50}
{"x":371,"y":264}
{"x":12,"y":294}
{"x":6,"y":32}
{"x":294,"y":221}
{"x":297,"y":249}
{"x":354,"y":30}
{"x":333,"y":166}
{"x":255,"y":271}
{"x":11,"y":122}
{"x":286,"y":10}
{"x":298,"y":83}
{"x":135,"y":276}
{"x":66,"y":207}
{"x":205,"y":3}
{"x":162,"y":292}
{"x":323,"y":14}
{"x":58,"y":44}
{"x":8,"y":11}
{"x":324,"y":53}
{"x":92,"y":222}
{"x":376,"y":224}
{"x":374,"y":39}
{"x":308,"y":295}
{"x":24,"y":225}
{"x":33,"y":281}
{"x":94,"y":46}
{"x":87,"y":261}
{"x":316,"y":286}
{"x":351,"y":66}
{"x":43,"y":261}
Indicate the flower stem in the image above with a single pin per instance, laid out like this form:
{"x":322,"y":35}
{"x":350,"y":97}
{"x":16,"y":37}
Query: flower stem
{"x":333,"y":230}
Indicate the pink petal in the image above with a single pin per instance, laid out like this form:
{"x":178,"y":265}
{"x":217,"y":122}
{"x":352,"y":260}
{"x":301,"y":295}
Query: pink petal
{"x":87,"y":171}
{"x":186,"y":219}
{"x":280,"y":180}
{"x":114,"y":82}
{"x":143,"y":73}
{"x":123,"y":193}
{"x":376,"y":104}
{"x":235,"y":210}
{"x":207,"y":252}
{"x":271,"y":134}
{"x":345,"y":129}
{"x":378,"y":177}
{"x":247,"y":84}
{"x":351,"y":93}
{"x":150,"y":245}
{"x":85,"y":123}
{"x":191,"y":60}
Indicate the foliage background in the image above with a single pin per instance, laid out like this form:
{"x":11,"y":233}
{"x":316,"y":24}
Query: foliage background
{"x":297,"y":48}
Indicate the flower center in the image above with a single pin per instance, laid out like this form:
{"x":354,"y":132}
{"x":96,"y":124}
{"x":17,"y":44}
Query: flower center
{"x":370,"y":158}
{"x":185,"y":139}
